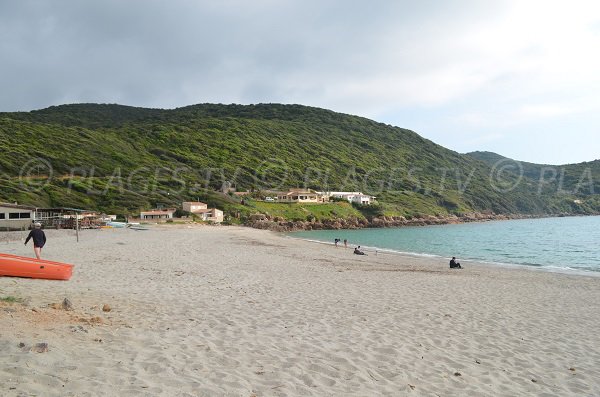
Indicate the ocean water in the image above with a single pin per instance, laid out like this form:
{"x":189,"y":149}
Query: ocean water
{"x":559,"y":244}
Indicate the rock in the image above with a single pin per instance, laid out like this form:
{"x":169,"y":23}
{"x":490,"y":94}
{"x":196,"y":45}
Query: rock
{"x":457,"y":374}
{"x":78,"y":328}
{"x":336,"y":225}
{"x":21,"y":345}
{"x":106,"y":308}
{"x":66,"y":304}
{"x":41,"y":347}
{"x":572,"y":369}
{"x":534,"y":380}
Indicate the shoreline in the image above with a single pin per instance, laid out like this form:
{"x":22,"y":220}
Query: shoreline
{"x":477,"y":262}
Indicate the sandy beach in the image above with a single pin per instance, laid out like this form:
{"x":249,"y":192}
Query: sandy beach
{"x":232,"y":311}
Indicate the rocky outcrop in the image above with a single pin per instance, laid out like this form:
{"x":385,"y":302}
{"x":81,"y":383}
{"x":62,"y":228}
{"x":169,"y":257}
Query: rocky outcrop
{"x":261,"y":221}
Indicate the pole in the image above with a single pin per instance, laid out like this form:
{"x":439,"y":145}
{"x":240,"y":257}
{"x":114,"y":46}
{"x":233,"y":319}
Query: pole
{"x":77,"y":226}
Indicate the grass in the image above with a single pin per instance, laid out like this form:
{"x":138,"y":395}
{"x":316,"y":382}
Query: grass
{"x":11,"y":299}
{"x":308,"y":211}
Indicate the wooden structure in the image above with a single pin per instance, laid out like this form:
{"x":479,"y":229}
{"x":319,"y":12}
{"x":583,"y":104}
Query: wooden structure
{"x":67,"y":218}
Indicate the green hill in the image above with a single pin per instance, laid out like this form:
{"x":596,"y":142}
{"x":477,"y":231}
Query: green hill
{"x":119,"y":159}
{"x":580,"y":182}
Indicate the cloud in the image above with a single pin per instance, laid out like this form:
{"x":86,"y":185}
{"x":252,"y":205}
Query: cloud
{"x":456,"y":61}
{"x":352,"y":57}
{"x":545,"y":111}
{"x":154,"y":53}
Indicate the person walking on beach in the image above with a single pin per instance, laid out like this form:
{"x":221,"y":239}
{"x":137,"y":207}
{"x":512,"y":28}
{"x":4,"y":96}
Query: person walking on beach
{"x":39,"y":239}
{"x":336,"y":241}
{"x":454,"y":264}
{"x":345,"y":243}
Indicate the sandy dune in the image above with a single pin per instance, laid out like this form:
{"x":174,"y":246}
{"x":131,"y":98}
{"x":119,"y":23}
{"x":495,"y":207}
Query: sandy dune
{"x":227,"y":311}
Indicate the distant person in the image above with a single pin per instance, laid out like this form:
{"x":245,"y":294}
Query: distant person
{"x":336,"y":241}
{"x":345,"y":243}
{"x":454,"y":264}
{"x":39,"y":239}
{"x":357,"y":251}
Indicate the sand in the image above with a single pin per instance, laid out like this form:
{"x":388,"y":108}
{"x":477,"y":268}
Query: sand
{"x":231,"y":311}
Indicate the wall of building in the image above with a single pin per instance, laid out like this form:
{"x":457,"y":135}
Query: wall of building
{"x":193,"y":206}
{"x":15,"y":218}
{"x":156,"y":216}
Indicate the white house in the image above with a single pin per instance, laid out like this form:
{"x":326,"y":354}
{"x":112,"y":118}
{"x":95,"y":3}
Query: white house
{"x":166,"y":213}
{"x":352,"y":197}
{"x":360,"y":198}
{"x":15,"y":217}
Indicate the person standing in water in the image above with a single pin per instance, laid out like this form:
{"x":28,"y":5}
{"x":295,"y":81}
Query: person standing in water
{"x":39,"y":239}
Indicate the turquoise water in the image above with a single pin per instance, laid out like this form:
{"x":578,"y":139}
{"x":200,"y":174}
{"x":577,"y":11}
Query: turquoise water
{"x":553,"y":243}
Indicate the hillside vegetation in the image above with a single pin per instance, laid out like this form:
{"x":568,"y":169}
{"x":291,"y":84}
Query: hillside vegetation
{"x":120,"y":159}
{"x":579,"y":182}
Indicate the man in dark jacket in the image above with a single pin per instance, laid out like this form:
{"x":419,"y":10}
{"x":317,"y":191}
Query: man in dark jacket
{"x":454,"y":264}
{"x":39,"y":239}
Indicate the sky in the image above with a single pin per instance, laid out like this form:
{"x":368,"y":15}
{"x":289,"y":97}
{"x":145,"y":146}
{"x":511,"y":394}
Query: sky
{"x":519,"y":78}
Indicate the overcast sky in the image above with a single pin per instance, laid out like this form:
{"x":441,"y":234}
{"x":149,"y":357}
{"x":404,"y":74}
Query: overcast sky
{"x":520,"y":78}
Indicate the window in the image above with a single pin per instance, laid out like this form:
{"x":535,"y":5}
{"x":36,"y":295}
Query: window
{"x":2,"y":215}
{"x":19,"y":215}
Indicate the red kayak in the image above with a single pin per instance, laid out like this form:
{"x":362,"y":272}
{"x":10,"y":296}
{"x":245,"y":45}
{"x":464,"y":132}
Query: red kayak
{"x":21,"y":266}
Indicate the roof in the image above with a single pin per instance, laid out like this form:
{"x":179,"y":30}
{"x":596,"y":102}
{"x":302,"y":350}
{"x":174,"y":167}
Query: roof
{"x":60,"y":209}
{"x":296,"y":191}
{"x":205,"y":210}
{"x":17,"y":206}
{"x":159,"y":212}
{"x":194,"y":202}
{"x":342,"y":193}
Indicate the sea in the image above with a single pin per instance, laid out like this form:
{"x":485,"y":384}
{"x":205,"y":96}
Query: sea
{"x":565,"y":244}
